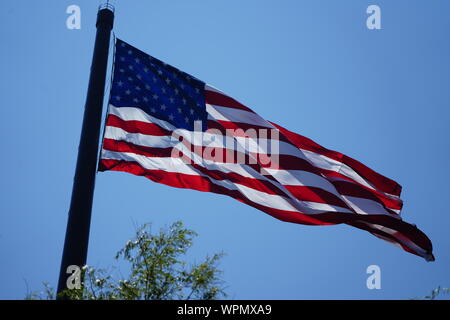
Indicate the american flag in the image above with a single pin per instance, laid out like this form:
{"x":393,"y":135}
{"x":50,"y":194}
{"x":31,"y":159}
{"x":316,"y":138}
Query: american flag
{"x":174,"y":129}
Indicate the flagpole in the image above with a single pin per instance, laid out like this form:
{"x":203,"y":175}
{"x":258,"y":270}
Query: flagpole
{"x":79,"y":218}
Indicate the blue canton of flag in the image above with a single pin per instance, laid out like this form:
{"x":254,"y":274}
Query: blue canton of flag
{"x":160,"y":90}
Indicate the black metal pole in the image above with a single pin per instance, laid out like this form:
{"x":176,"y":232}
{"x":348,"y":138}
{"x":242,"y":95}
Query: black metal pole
{"x":79,"y":220}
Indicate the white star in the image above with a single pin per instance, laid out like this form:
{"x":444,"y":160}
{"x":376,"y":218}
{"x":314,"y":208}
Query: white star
{"x":167,"y":80}
{"x":147,"y":87}
{"x":152,"y":110}
{"x":145,"y":99}
{"x":154,"y":79}
{"x":186,"y":119}
{"x":197,"y":90}
{"x":139,"y":76}
{"x":121,"y":70}
{"x":120,"y":83}
{"x":130,"y":67}
{"x":123,"y":44}
{"x":184,"y":101}
{"x":137,"y":60}
{"x":155,"y":96}
{"x":160,"y":72}
{"x":179,"y":110}
{"x":138,"y":88}
{"x":118,"y":98}
{"x":192,"y":111}
{"x":136,"y":100}
{"x":163,"y":107}
{"x":145,"y":70}
{"x":122,"y":59}
{"x":128,"y":92}
{"x":176,"y":91}
{"x":130,"y":79}
{"x":130,"y":52}
{"x":171,"y":117}
{"x":163,"y":90}
{"x":172,"y":100}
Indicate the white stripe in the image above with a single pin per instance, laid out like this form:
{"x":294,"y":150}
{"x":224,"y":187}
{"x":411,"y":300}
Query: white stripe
{"x":235,"y":115}
{"x":366,"y":206}
{"x":137,"y":114}
{"x":326,"y":163}
{"x":393,"y":197}
{"x":140,"y":139}
{"x":209,"y":87}
{"x":302,"y":178}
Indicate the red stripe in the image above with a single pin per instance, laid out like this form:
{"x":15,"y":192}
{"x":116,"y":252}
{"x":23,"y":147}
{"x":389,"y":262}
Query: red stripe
{"x":384,"y":199}
{"x":134,"y":126}
{"x":124,"y":146}
{"x":314,"y":194}
{"x":219,"y":99}
{"x":355,"y":190}
{"x":380,"y":182}
{"x":259,"y":185}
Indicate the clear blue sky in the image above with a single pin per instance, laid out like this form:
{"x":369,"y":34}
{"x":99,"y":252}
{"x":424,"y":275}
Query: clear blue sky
{"x":312,"y":66}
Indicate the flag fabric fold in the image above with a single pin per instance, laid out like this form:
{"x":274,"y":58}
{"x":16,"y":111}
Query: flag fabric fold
{"x":174,"y":129}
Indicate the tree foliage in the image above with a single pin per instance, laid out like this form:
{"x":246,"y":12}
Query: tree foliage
{"x":157,"y":271}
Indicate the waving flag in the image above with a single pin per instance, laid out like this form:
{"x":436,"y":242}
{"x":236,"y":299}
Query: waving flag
{"x":172,"y":128}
